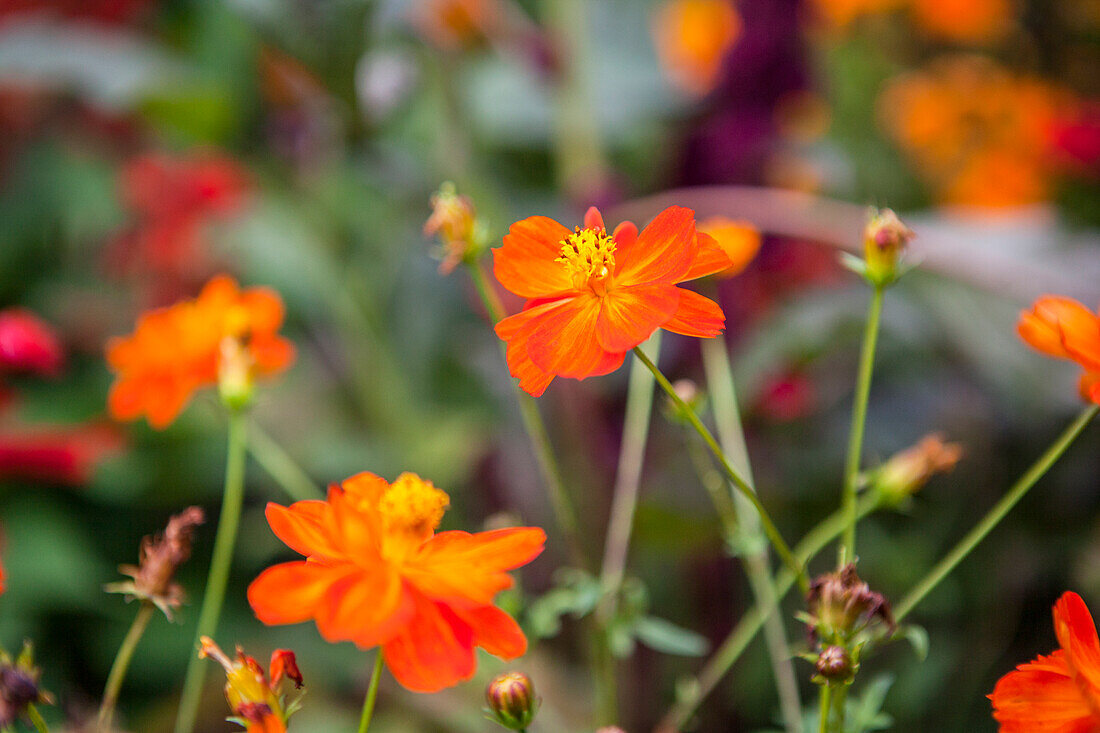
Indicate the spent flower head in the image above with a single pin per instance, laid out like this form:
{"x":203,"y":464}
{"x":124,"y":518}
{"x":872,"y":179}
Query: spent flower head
{"x":909,"y":470}
{"x":841,"y":604}
{"x":257,"y":702}
{"x":454,"y":220}
{"x":152,"y":578}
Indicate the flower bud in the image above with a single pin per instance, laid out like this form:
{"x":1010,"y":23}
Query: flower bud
{"x":834,"y":664}
{"x":454,"y":220}
{"x":884,"y":240}
{"x":512,"y":701}
{"x":841,"y":604}
{"x":236,"y":369}
{"x":906,"y":472}
{"x":19,"y":686}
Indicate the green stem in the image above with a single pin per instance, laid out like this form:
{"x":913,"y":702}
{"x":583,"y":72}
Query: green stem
{"x":823,"y":717}
{"x":281,"y":467}
{"x":847,"y":549}
{"x":732,"y":475}
{"x":837,"y":708}
{"x":727,"y":418}
{"x":121,"y":664}
{"x":222,"y":558}
{"x":738,"y":640}
{"x":620,"y":523}
{"x":996,"y":514}
{"x":372,"y":693}
{"x":562,"y":505}
{"x":36,"y":719}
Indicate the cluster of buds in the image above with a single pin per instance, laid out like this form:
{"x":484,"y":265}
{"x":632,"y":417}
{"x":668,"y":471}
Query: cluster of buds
{"x":841,"y":605}
{"x":909,"y":470}
{"x":885,"y":239}
{"x":454,"y":220}
{"x":512,"y":700}
{"x":19,"y":688}
{"x":256,"y":701}
{"x":152,"y":578}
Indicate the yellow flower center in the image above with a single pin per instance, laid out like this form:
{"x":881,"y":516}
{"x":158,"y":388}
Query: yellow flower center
{"x":412,"y":506}
{"x":589,"y":257}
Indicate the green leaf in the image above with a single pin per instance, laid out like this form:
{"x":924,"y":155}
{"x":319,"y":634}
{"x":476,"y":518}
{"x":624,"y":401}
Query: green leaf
{"x":665,"y":636}
{"x":917,"y":638}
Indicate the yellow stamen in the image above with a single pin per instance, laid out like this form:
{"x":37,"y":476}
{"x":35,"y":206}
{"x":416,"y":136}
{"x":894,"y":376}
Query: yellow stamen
{"x":589,"y":257}
{"x":412,"y":505}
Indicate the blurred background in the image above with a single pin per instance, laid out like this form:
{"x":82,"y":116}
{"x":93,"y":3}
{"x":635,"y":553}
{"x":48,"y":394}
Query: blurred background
{"x":146,"y":145}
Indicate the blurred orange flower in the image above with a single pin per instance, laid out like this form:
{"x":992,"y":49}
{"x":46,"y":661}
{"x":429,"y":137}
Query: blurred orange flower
{"x":1059,"y":692}
{"x":739,"y":239}
{"x":456,"y":24}
{"x":978,"y":134}
{"x":254,"y":699}
{"x":376,"y":574}
{"x":692,"y":38}
{"x":966,"y":21}
{"x":1063,"y":328}
{"x":593,"y":296}
{"x":840,"y":13}
{"x":177,"y":350}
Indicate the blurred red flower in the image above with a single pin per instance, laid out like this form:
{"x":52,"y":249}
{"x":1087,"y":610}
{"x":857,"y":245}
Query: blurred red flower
{"x":1063,"y":328}
{"x":28,"y":344}
{"x":177,"y":350}
{"x":55,"y":454}
{"x":103,"y":11}
{"x":377,"y":574}
{"x":1059,"y":692}
{"x":593,"y":296}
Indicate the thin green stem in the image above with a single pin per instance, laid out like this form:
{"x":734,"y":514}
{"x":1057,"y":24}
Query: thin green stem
{"x":121,"y":664}
{"x":624,"y":501}
{"x":996,"y":514}
{"x":36,"y":719}
{"x":695,"y":690}
{"x":280,"y":466}
{"x":220,"y":563}
{"x":837,"y":703}
{"x":846,"y":551}
{"x":562,"y":505}
{"x":727,"y":418}
{"x":732,"y":475}
{"x":372,"y":694}
{"x":823,"y":718}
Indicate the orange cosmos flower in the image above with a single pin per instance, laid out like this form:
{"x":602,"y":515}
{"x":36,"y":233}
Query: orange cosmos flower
{"x":1065,"y":329}
{"x":967,"y":21}
{"x":226,"y":334}
{"x":377,"y":574}
{"x":739,"y":239}
{"x":1060,"y":692}
{"x":593,"y":296}
{"x":692,"y":38}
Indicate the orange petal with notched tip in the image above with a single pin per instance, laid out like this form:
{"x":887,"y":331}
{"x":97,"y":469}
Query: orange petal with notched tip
{"x":710,"y":259}
{"x":1043,"y":326}
{"x":593,"y":219}
{"x":465,"y":568}
{"x":564,"y":341}
{"x":629,"y":315}
{"x":663,"y":251}
{"x":696,"y":316}
{"x":526,"y":265}
{"x":435,"y":650}
{"x":495,"y":631}
{"x":625,"y":234}
{"x":291,"y":592}
{"x":1041,"y":697}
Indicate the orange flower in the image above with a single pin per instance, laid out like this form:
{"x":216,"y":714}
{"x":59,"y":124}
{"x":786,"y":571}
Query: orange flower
{"x":256,"y":701}
{"x":739,"y":239}
{"x":1060,"y":692}
{"x":967,"y":21}
{"x":692,"y":38}
{"x":593,"y":296}
{"x":226,"y":334}
{"x":377,"y":574}
{"x":1064,"y":329}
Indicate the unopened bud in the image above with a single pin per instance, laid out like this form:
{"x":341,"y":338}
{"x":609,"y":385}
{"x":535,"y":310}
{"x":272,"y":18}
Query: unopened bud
{"x":512,"y":700}
{"x":884,"y":241}
{"x":906,"y":472}
{"x":236,"y":369}
{"x":834,"y":663}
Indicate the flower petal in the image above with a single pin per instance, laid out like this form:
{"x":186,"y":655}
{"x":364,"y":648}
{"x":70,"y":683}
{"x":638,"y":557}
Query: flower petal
{"x":630,"y":315}
{"x":1089,"y":387}
{"x":1041,"y":697}
{"x":1050,"y":317}
{"x":593,"y":219}
{"x":564,"y":341}
{"x":433,"y":651}
{"x":526,"y":264}
{"x":1076,"y":633}
{"x":302,"y":526}
{"x":367,"y":607}
{"x":466,"y":568}
{"x":291,"y":592}
{"x":696,"y":316}
{"x":663,"y":252}
{"x":495,"y":631}
{"x":625,"y":234}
